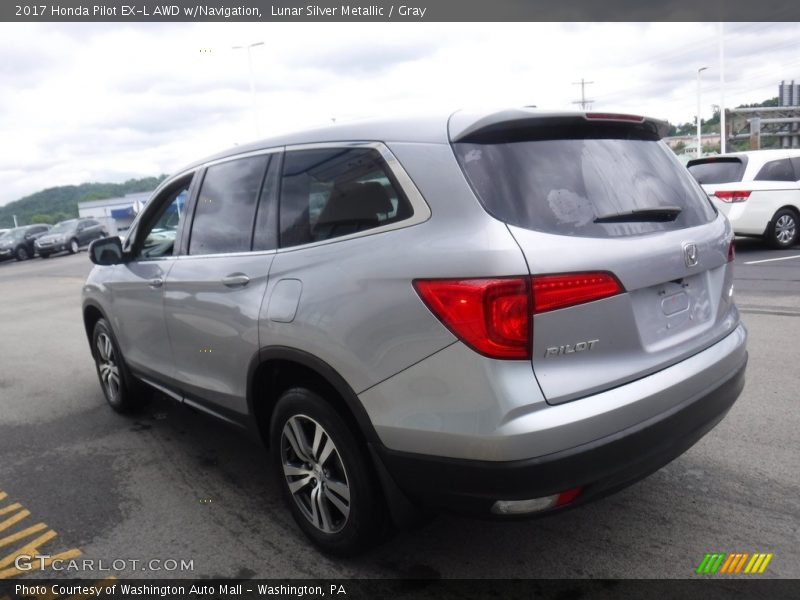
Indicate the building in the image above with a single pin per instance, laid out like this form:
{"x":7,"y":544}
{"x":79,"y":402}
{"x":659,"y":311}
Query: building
{"x":120,"y":211}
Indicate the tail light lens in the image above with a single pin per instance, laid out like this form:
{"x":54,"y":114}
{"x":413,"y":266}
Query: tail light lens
{"x":731,"y":197}
{"x":731,"y":251}
{"x":493,"y":316}
{"x":560,"y":291}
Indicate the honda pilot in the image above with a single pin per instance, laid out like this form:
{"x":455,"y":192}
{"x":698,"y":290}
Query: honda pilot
{"x":498,"y":313}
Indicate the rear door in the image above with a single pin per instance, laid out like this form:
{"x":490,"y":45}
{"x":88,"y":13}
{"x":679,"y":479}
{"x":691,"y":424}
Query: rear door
{"x":214,"y":291}
{"x":596,"y":204}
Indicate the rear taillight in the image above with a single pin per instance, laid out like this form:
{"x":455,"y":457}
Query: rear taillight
{"x":560,"y":291}
{"x":493,"y":316}
{"x":731,"y":251}
{"x":490,"y":315}
{"x":730,"y":197}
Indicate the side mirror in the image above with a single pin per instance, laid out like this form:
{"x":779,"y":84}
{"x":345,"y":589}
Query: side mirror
{"x":106,"y":251}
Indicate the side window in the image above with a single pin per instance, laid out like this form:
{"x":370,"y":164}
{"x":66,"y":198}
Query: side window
{"x":159,"y":233}
{"x":777,"y":170}
{"x":796,"y":165}
{"x":265,"y":235}
{"x":332,"y":192}
{"x":226,"y":206}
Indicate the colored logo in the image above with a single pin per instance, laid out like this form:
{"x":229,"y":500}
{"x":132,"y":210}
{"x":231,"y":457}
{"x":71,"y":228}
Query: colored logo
{"x":735,"y":563}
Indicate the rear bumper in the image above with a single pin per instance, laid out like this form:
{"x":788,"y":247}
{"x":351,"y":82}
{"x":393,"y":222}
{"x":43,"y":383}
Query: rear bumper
{"x":600,"y":467}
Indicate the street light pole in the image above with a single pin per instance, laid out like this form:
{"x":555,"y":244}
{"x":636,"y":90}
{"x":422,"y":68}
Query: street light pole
{"x":699,"y":133}
{"x":722,"y":130}
{"x":252,"y":82}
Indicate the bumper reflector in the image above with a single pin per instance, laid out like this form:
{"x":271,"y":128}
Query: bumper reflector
{"x":521,"y":507}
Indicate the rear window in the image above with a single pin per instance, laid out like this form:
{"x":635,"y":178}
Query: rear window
{"x":717,"y":170}
{"x":563,"y":185}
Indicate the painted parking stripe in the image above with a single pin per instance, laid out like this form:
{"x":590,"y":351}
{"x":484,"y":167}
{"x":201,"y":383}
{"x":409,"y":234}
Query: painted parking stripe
{"x":28,"y":541}
{"x":766,"y":260}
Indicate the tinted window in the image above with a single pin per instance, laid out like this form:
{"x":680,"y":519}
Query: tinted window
{"x":717,"y":170}
{"x":265,"y":235}
{"x":776,"y":170}
{"x":226,"y":206}
{"x":158,"y":235}
{"x":563,"y":185}
{"x":334,"y":192}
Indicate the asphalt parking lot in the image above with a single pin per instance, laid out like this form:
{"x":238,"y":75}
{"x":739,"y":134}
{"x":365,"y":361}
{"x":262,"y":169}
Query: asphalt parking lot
{"x":172,"y":484}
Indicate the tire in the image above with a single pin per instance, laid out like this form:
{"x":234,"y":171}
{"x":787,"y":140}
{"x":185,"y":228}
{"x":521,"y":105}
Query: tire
{"x":782,"y":231}
{"x":122,"y":392}
{"x":21,"y":253}
{"x":73,"y":246}
{"x":340,"y":506}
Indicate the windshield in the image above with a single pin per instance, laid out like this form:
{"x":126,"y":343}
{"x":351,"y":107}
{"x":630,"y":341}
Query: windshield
{"x":13,"y":234}
{"x":63,"y":226}
{"x":577,"y":186}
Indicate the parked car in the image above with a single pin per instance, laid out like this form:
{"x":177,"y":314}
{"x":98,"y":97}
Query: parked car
{"x":499,"y":313}
{"x":70,"y":236}
{"x":19,"y":242}
{"x":759,"y":192}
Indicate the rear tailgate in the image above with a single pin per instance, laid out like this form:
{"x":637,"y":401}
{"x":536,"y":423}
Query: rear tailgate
{"x":582,"y":196}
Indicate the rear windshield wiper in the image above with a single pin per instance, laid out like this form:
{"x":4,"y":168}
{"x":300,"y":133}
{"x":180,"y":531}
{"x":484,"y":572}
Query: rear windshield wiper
{"x":662,"y":214}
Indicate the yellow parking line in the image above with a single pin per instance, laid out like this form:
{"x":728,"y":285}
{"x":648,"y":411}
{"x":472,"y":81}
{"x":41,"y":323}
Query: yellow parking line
{"x":14,"y":572}
{"x":10,"y":508}
{"x":12,"y":520}
{"x":31,"y":547}
{"x":21,"y":534}
{"x":767,"y":558}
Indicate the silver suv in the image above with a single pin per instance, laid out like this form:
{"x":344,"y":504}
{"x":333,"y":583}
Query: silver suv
{"x":500,"y":313}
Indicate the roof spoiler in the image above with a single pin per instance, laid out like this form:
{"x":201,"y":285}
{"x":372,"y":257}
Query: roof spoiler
{"x":506,"y":123}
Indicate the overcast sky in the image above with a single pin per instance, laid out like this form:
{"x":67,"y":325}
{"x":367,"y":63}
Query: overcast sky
{"x":107,"y":102}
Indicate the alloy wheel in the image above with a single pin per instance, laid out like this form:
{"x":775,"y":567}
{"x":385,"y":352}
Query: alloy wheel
{"x":73,"y":246}
{"x":315,"y":474}
{"x":107,"y":366}
{"x":785,"y":229}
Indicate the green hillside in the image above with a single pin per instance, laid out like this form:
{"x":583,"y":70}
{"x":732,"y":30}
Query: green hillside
{"x":59,"y":203}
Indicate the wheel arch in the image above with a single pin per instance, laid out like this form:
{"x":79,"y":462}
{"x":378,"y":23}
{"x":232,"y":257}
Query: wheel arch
{"x":92,"y":313}
{"x":275,"y":369}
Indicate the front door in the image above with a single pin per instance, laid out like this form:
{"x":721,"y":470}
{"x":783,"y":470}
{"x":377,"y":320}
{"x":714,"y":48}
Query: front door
{"x":138,"y":288}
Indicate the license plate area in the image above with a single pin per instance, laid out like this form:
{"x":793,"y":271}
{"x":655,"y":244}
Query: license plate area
{"x":670,"y":312}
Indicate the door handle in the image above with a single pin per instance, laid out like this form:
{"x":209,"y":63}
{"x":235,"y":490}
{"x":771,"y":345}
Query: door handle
{"x":236,"y":280}
{"x":156,"y":283}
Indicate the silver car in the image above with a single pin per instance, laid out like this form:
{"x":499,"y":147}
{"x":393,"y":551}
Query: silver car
{"x":499,"y":313}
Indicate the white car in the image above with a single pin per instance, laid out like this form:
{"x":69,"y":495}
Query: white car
{"x":759,"y":192}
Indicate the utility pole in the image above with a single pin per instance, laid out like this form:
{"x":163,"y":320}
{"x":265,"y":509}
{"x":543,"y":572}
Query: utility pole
{"x":15,"y":222}
{"x":722,"y":130}
{"x":583,"y":101}
{"x":699,"y":134}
